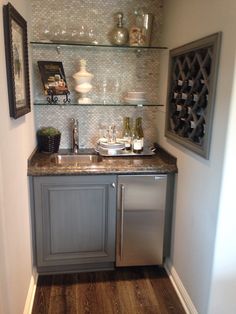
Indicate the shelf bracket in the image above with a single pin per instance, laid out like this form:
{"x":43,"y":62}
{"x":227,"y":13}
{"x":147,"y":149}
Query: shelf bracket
{"x":58,"y":49}
{"x":138,"y":52}
{"x":67,"y":99}
{"x":52,"y":99}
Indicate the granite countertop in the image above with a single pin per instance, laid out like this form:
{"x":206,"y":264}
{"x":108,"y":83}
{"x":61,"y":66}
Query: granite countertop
{"x":43,"y":164}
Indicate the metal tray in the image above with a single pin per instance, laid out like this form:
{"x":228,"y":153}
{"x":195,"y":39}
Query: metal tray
{"x":123,"y":152}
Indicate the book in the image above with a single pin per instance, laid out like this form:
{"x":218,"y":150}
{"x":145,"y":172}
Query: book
{"x":53,"y":77}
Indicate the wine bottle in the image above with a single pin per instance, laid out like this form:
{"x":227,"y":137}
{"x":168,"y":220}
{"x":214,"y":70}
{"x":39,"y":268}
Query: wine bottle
{"x":192,"y":99}
{"x":176,"y":95}
{"x":202,"y":101}
{"x":127,"y":135}
{"x":198,"y":85}
{"x":187,"y":128}
{"x":183,"y":113}
{"x":138,"y":136}
{"x":187,"y":86}
{"x":199,"y":133}
{"x":178,"y":124}
{"x":177,"y":85}
{"x":184,"y":96}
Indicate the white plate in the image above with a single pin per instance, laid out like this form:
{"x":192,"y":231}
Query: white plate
{"x":134,"y":101}
{"x":112,"y":146}
{"x":136,"y":95}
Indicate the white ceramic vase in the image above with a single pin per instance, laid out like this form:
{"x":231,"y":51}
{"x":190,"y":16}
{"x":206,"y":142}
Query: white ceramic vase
{"x":83,"y":83}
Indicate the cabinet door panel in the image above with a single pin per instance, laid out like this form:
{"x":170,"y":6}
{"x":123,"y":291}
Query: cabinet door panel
{"x":75,"y":220}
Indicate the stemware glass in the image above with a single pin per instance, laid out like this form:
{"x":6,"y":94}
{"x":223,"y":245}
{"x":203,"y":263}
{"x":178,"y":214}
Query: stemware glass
{"x":116,"y":90}
{"x":81,"y":33}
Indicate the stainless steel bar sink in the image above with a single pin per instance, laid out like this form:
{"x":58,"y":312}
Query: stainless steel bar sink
{"x":75,"y":158}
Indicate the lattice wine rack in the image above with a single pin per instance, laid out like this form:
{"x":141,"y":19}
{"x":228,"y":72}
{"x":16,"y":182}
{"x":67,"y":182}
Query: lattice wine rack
{"x":191,"y":93}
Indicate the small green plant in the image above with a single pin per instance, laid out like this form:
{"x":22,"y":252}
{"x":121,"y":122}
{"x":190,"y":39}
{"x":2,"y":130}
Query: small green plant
{"x":48,"y":131}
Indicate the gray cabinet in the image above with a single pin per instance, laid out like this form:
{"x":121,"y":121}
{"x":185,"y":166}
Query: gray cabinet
{"x":74,"y":222}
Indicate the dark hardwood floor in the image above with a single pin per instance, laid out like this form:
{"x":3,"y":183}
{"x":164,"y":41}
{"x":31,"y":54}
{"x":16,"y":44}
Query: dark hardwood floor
{"x":126,"y":290}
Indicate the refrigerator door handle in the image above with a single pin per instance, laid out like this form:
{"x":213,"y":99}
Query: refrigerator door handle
{"x":122,"y":194}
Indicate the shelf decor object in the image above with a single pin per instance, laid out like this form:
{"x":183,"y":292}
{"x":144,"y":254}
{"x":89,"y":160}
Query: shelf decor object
{"x":119,"y":35}
{"x":192,"y":81}
{"x":54,"y":81}
{"x":83,"y":83}
{"x":16,"y":50}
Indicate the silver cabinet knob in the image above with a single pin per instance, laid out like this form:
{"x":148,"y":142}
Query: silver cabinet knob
{"x":113,"y":185}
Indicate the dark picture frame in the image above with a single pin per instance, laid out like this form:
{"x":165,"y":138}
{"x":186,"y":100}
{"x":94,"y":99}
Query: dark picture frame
{"x":53,"y":77}
{"x":193,"y":71}
{"x":16,"y":51}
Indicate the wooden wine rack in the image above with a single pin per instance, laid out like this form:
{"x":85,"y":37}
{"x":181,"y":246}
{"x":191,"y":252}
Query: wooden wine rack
{"x":191,"y":93}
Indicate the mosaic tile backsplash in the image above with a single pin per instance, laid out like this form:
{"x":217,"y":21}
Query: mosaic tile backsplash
{"x":92,"y":120}
{"x":116,"y":70}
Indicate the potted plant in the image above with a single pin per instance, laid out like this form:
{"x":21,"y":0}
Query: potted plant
{"x":48,"y":139}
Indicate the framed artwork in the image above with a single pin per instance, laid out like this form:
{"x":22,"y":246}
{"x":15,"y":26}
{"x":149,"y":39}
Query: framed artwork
{"x":53,"y":77}
{"x":193,"y":70}
{"x":16,"y":51}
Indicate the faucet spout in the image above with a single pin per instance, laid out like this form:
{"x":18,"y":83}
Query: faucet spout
{"x":75,"y":136}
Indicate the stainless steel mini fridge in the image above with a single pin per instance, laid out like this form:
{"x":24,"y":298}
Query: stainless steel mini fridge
{"x":140,"y":219}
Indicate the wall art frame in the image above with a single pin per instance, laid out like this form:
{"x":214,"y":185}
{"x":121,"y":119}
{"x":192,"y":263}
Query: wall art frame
{"x":192,"y":79}
{"x":16,"y":51}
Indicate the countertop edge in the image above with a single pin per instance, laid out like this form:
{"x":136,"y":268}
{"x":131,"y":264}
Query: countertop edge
{"x":161,"y":163}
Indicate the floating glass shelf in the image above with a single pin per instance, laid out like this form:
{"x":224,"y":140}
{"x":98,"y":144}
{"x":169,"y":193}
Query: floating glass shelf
{"x":98,"y":104}
{"x":80,"y":44}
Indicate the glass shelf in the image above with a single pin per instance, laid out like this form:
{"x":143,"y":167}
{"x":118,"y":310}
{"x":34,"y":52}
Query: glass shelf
{"x":79,"y":44}
{"x":98,"y":104}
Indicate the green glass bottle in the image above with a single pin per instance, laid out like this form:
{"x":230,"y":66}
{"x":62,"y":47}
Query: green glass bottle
{"x":127,"y":134}
{"x":138,"y":136}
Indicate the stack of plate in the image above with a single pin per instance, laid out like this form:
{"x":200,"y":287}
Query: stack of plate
{"x":135,"y":98}
{"x":110,"y":147}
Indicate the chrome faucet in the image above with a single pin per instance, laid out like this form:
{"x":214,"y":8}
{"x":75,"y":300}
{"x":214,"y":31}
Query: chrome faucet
{"x":75,"y":136}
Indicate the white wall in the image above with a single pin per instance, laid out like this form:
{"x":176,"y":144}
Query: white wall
{"x":199,"y":180}
{"x":17,"y":141}
{"x":224,"y":271}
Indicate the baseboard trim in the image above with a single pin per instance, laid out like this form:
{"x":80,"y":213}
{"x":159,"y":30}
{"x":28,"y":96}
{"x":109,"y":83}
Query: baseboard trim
{"x":179,"y":288}
{"x":31,"y":293}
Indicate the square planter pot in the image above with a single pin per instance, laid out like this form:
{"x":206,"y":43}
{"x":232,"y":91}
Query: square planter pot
{"x":49,"y":144}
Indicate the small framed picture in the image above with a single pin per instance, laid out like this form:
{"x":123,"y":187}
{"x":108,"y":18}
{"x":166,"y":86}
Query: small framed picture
{"x":16,"y":50}
{"x":53,"y":77}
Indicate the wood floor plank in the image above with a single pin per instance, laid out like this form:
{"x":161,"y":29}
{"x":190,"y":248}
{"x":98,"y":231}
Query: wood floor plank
{"x":131,"y":290}
{"x":108,"y":296}
{"x":86,"y":294}
{"x":42,"y":295}
{"x":165,"y":293}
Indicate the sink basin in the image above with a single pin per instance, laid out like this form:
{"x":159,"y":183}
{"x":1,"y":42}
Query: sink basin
{"x":72,"y":159}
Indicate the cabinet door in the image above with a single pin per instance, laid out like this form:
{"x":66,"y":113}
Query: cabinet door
{"x":74,"y":219}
